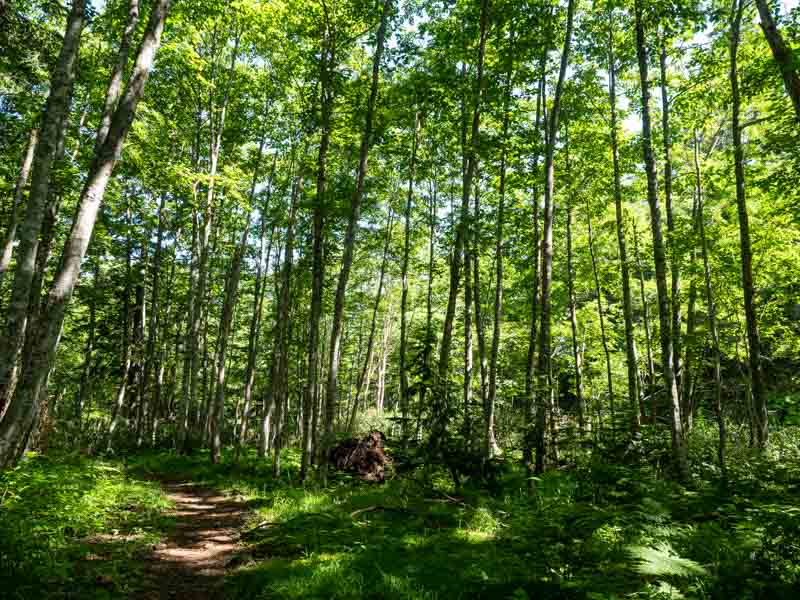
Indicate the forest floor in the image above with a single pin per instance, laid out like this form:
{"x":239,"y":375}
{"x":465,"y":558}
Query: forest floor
{"x":157,"y":525}
{"x":192,"y":559}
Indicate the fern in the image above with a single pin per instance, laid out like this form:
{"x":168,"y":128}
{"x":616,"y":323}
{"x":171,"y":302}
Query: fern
{"x":661,"y":560}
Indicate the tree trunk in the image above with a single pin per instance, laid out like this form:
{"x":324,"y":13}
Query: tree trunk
{"x":634,"y":394}
{"x":455,"y":263}
{"x":573,"y":317}
{"x":226,"y":319}
{"x":782,"y":53}
{"x":281,"y":342}
{"x":544,"y":367}
{"x":119,"y":402}
{"x":600,"y":313}
{"x":492,"y":449}
{"x":674,"y":255}
{"x":350,"y":238}
{"x":86,"y":368}
{"x":651,"y":378}
{"x":52,"y":125}
{"x":530,"y":363}
{"x":115,"y":83}
{"x":200,"y":318}
{"x":480,"y":322}
{"x":148,"y":404}
{"x":23,"y":412}
{"x":318,"y":266}
{"x":759,"y":403}
{"x":258,"y":309}
{"x":412,"y":172}
{"x":362,"y":379}
{"x":468,"y":306}
{"x":712,"y":311}
{"x":13,"y":217}
{"x":679,"y":451}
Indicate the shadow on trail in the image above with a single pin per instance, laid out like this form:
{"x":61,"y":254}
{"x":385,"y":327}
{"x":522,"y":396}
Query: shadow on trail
{"x":192,"y":560}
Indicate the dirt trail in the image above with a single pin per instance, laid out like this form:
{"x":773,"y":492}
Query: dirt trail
{"x":191,"y":562}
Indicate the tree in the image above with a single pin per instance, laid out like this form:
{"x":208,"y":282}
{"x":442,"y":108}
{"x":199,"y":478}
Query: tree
{"x":679,"y":452}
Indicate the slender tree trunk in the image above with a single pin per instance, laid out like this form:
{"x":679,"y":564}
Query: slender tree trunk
{"x":255,"y":320}
{"x":310,"y":393}
{"x":455,"y":263}
{"x":148,"y":404}
{"x":53,"y":122}
{"x":573,"y":317}
{"x":226,"y":319}
{"x":634,"y":395}
{"x":119,"y":402}
{"x":412,"y":172}
{"x":687,"y":394}
{"x":362,"y":378}
{"x":672,"y":245}
{"x":530,"y":363}
{"x":468,"y":306}
{"x":600,"y":313}
{"x":114,"y":88}
{"x":544,"y":367}
{"x":679,"y":450}
{"x":651,"y":378}
{"x":281,"y":342}
{"x":350,"y":238}
{"x":712,"y":311}
{"x":385,"y":349}
{"x":13,"y":217}
{"x":86,"y":369}
{"x":24,"y":409}
{"x":480,"y":322}
{"x":761,"y":425}
{"x":430,"y":336}
{"x":492,"y":449}
{"x":200,"y":318}
{"x":782,"y":53}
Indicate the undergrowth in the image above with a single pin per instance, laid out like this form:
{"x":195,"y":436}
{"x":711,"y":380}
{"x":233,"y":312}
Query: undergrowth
{"x":599,"y":529}
{"x":74,"y":527}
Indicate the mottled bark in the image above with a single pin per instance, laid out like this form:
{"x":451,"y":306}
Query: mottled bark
{"x":13,"y":216}
{"x":782,"y":53}
{"x":25,"y":404}
{"x":672,"y":243}
{"x":759,"y":401}
{"x":52,"y":125}
{"x":679,"y":451}
{"x":544,"y":370}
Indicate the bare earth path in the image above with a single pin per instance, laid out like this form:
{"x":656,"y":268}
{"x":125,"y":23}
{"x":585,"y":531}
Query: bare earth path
{"x":191,"y":562}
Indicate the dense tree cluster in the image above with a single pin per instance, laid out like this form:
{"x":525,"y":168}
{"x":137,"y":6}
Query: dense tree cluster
{"x":500,"y":226}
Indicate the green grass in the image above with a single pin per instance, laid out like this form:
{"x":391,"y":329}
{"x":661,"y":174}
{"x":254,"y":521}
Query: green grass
{"x":598,"y":531}
{"x":74,"y":527}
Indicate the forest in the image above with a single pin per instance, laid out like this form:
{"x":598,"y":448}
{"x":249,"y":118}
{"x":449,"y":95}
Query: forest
{"x":404,"y":299}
